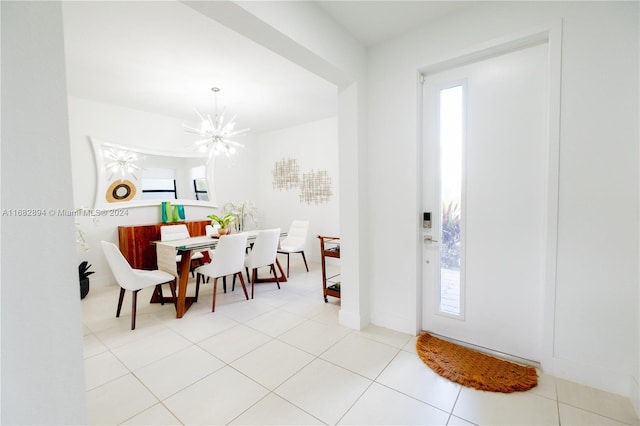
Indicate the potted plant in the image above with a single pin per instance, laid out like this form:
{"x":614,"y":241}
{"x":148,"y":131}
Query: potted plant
{"x":223,"y":221}
{"x":242,"y":211}
{"x":83,"y":274}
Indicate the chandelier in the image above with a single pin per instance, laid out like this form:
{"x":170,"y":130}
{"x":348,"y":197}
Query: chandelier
{"x":216,"y":133}
{"x":122,"y":162}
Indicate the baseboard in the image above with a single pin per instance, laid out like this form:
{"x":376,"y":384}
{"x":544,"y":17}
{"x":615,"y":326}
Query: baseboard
{"x":593,"y":376}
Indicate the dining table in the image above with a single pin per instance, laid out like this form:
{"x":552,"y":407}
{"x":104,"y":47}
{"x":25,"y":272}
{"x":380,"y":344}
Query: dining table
{"x":166,"y":254}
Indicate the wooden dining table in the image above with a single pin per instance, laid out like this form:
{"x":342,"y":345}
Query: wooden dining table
{"x":167,"y":251}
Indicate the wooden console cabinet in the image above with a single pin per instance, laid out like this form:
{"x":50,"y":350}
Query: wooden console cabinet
{"x":135,"y":241}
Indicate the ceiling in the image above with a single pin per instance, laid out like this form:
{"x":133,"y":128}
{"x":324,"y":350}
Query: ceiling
{"x":372,"y":22}
{"x":164,"y":57}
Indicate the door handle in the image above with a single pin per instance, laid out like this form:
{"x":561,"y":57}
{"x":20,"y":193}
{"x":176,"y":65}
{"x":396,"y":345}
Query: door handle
{"x":429,"y":239}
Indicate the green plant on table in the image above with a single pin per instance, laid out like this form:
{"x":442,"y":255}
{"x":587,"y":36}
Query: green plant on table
{"x":223,"y":221}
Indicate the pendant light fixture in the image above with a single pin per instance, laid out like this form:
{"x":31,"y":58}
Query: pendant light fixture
{"x":216,"y":133}
{"x":122,"y":163}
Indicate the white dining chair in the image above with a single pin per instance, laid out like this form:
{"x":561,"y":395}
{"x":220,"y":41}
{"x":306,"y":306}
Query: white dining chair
{"x":229,"y":260}
{"x":263,"y":253}
{"x":180,"y":232}
{"x":134,"y":279}
{"x":211,"y":231}
{"x":295,"y":241}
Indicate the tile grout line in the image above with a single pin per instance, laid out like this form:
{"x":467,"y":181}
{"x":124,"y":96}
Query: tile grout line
{"x":453,"y":407}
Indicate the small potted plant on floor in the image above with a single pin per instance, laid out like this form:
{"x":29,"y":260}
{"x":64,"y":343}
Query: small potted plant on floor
{"x":83,"y":273}
{"x":223,"y":221}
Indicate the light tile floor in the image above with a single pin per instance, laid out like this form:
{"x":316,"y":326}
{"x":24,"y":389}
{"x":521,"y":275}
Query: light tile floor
{"x":282,"y":358}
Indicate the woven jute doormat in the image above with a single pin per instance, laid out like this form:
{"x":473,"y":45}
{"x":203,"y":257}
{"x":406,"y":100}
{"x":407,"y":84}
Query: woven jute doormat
{"x":474,"y":369}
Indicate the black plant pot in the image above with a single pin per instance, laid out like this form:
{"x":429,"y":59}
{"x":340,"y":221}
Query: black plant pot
{"x":84,"y":287}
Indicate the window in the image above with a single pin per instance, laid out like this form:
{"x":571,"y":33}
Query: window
{"x":451,"y":162}
{"x":198,"y":176}
{"x":159,"y":184}
{"x":200,"y":189}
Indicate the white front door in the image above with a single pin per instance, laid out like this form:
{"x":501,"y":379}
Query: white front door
{"x":485,"y":184}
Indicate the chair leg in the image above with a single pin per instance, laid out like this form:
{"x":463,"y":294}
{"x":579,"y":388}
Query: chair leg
{"x":194,"y":264}
{"x":198,"y":286}
{"x":233,"y":284}
{"x":275,"y":275}
{"x":253,"y":280}
{"x":242,"y":282}
{"x":224,"y":284}
{"x":134,"y":303}
{"x":158,"y":292}
{"x":305,"y":261}
{"x":215,"y":291}
{"x":287,"y":265}
{"x":122,"y":291}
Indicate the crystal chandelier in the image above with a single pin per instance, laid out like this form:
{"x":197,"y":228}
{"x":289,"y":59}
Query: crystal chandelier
{"x":216,"y":133}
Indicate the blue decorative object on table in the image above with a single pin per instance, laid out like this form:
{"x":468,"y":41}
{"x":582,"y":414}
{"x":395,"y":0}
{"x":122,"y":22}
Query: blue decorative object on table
{"x":166,"y":212}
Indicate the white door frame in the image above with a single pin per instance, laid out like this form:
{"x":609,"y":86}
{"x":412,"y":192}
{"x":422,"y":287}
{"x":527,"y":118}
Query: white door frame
{"x":552,"y":35}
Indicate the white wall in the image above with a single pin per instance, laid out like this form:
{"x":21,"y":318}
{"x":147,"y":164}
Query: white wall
{"x":42,"y":364}
{"x":244,"y":176}
{"x":315,"y":147}
{"x":596,"y":313}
